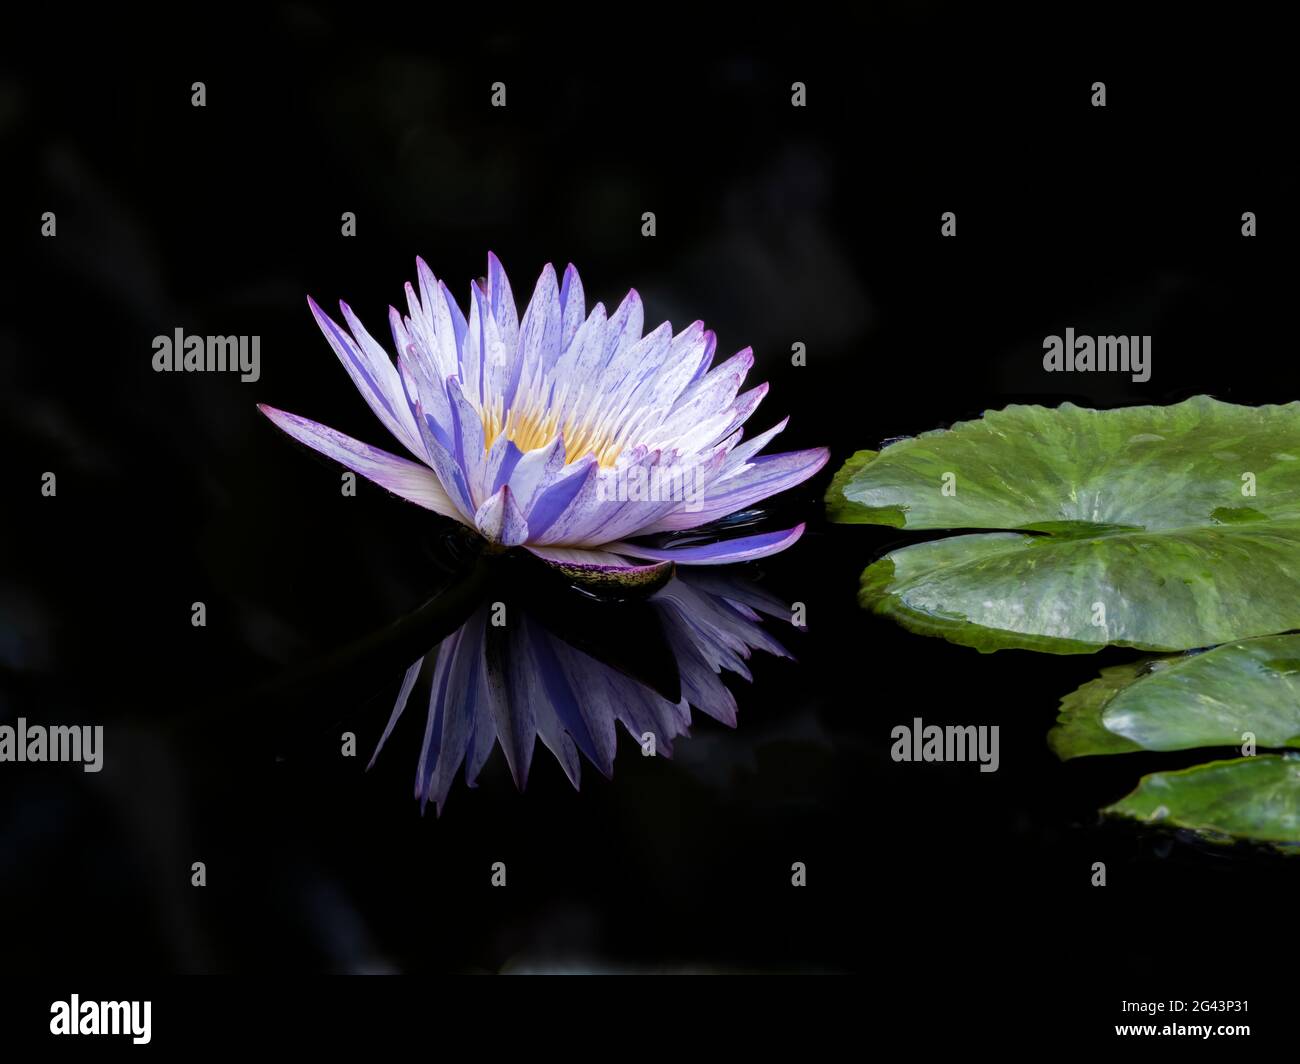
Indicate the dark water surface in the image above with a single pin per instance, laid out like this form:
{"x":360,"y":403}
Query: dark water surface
{"x":775,"y":226}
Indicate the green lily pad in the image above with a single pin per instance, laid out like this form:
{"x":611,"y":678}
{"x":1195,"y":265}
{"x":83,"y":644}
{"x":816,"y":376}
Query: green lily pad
{"x":1197,"y":700}
{"x":1255,"y":798}
{"x":1161,"y":528}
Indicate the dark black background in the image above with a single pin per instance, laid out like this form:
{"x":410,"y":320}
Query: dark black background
{"x":775,"y":225}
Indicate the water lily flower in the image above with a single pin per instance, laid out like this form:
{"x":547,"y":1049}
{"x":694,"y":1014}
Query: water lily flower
{"x":567,"y":432}
{"x":516,"y":683}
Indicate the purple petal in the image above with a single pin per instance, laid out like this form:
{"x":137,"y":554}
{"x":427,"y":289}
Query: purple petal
{"x":512,"y":712}
{"x":499,"y":520}
{"x":625,"y":327}
{"x":472,"y":351}
{"x":402,"y":477}
{"x":442,"y":348}
{"x":502,"y":302}
{"x":467,"y":434}
{"x":501,"y":362}
{"x":591,"y":704}
{"x":403,"y":695}
{"x":582,"y":357}
{"x":539,"y":332}
{"x":617,"y":520}
{"x":691,"y":348}
{"x":459,"y":702}
{"x":558,"y":716}
{"x":708,"y":400}
{"x":438,"y":307}
{"x":444,"y":464}
{"x":573,"y":305}
{"x":556,"y":501}
{"x":483,"y":736}
{"x":459,"y":326}
{"x":374,"y":375}
{"x":721,"y":552}
{"x":765,"y":476}
{"x":431,"y":745}
{"x":423,"y":388}
{"x":743,"y":452}
{"x":535,"y":471}
{"x":629,"y":376}
{"x":502,"y":462}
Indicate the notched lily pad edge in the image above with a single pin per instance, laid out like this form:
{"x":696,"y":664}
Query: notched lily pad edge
{"x":842,"y":510}
{"x":1079,"y":718}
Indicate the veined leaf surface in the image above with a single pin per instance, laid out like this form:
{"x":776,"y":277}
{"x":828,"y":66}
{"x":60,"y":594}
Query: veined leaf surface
{"x":1255,"y":798}
{"x":1161,"y":528}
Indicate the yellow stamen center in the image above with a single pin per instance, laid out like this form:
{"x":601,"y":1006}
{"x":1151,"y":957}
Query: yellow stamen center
{"x":588,"y":427}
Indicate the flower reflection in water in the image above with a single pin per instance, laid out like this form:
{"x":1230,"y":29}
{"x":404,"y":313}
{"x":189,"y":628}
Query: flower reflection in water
{"x":507,"y":677}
